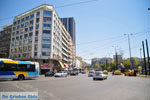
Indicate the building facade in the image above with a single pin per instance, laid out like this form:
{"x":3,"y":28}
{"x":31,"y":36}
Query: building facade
{"x":101,"y":60}
{"x":5,"y":37}
{"x":119,"y":58}
{"x":39,"y":34}
{"x":69,"y":24}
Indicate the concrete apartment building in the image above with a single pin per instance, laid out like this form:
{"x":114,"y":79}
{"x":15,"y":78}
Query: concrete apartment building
{"x":39,"y":35}
{"x":69,"y":24}
{"x":5,"y":37}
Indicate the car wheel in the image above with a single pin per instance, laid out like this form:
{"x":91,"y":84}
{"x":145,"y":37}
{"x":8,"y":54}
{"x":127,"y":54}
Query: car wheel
{"x":21,"y":77}
{"x":93,"y":78}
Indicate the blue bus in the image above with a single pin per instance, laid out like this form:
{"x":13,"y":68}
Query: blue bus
{"x":10,"y":69}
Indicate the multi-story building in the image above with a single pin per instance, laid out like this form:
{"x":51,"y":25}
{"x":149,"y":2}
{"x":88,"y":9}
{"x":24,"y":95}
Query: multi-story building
{"x":5,"y":37}
{"x":101,"y":60}
{"x":119,"y":58}
{"x":69,"y":24}
{"x":39,"y":34}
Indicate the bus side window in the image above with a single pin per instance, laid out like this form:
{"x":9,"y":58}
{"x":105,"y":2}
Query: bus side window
{"x":11,"y":67}
{"x":22,"y":67}
{"x":31,"y":68}
{"x":2,"y":68}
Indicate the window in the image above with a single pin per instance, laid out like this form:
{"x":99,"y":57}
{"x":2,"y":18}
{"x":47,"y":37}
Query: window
{"x":47,"y":19}
{"x":31,"y":16}
{"x":25,"y":36}
{"x":29,"y":48}
{"x":14,"y":28}
{"x":31,"y":28}
{"x":20,"y":43}
{"x":47,"y":13}
{"x":31,"y":22}
{"x":35,"y":53}
{"x":14,"y":23}
{"x":46,"y":46}
{"x":17,"y":32}
{"x":45,"y":53}
{"x":17,"y":38}
{"x":20,"y":37}
{"x":10,"y":67}
{"x":37,"y":20}
{"x":25,"y":41}
{"x":47,"y":25}
{"x":18,"y":27}
{"x":37,"y":26}
{"x":46,"y":39}
{"x":26,"y":29}
{"x":36,"y":39}
{"x":38,"y":14}
{"x":36,"y":33}
{"x":22,"y":25}
{"x":25,"y":67}
{"x":22,"y":20}
{"x":35,"y":47}
{"x":27,"y":18}
{"x":2,"y":68}
{"x":30,"y":40}
{"x":30,"y":34}
{"x":18,"y":21}
{"x":26,"y":24}
{"x":13,"y":39}
{"x":46,"y":31}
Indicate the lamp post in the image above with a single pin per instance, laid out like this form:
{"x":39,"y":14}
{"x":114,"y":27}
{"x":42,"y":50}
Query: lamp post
{"x":131,"y":65}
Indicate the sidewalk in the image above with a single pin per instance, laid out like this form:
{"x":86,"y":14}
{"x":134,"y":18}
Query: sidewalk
{"x":146,"y":76}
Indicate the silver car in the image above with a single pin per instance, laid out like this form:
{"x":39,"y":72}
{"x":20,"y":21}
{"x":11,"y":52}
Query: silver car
{"x":91,"y":74}
{"x":99,"y":75}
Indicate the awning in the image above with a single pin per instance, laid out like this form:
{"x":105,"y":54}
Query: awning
{"x":61,"y":64}
{"x":66,"y":65}
{"x":45,"y":66}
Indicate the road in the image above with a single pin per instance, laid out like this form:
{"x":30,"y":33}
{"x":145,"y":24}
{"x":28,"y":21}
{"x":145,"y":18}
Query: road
{"x":82,"y":87}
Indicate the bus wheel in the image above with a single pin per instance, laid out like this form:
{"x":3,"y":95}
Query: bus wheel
{"x":21,"y":77}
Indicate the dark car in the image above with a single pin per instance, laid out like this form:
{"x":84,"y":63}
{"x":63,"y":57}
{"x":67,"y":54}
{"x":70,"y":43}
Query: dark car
{"x":49,"y":73}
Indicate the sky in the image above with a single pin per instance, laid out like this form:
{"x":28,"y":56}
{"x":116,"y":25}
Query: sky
{"x":100,"y":24}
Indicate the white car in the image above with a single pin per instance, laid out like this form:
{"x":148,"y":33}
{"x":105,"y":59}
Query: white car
{"x":64,"y":74}
{"x":58,"y":74}
{"x":61,"y":74}
{"x":99,"y":75}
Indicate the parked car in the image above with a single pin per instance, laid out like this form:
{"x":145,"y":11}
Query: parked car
{"x":58,"y":74}
{"x":117,"y":72}
{"x":64,"y":74}
{"x":49,"y":73}
{"x":105,"y":72}
{"x":99,"y":75}
{"x":91,"y":74}
{"x":83,"y":71}
{"x":74,"y":72}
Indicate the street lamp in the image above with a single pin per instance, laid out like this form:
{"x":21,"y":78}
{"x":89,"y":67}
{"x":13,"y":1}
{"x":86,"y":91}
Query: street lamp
{"x":131,"y":66}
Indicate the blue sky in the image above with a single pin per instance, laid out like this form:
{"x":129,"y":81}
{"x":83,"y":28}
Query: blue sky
{"x":99,"y":24}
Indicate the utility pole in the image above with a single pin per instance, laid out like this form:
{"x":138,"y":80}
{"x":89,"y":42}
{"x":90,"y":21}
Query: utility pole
{"x":141,"y":63}
{"x":116,"y":57}
{"x":131,"y":64}
{"x":148,"y":55}
{"x":144,"y":58}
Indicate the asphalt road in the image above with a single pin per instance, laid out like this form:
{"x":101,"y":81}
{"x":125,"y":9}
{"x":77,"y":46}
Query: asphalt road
{"x":82,"y":87}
